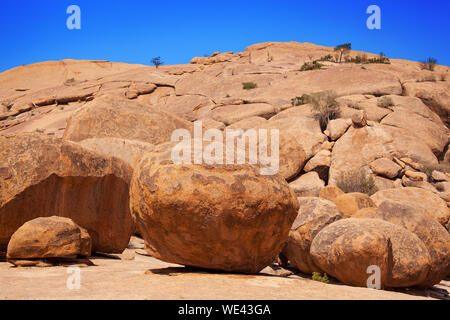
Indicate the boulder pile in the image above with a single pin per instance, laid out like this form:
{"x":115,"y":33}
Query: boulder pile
{"x":362,"y":186}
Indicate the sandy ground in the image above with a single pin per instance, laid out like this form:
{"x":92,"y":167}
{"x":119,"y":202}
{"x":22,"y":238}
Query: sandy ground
{"x":145,"y":278}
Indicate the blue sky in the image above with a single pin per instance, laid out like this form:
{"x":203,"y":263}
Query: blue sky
{"x":134,"y":31}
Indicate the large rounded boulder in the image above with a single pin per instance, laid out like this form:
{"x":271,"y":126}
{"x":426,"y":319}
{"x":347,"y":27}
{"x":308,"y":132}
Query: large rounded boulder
{"x":434,"y":236}
{"x":349,"y":248}
{"x":313,"y":215}
{"x":43,"y":176}
{"x":223,"y":217}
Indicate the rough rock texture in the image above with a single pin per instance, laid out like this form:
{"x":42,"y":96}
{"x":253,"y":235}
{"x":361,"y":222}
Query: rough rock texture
{"x":320,"y":163}
{"x":307,"y":185}
{"x":314,"y":214}
{"x":108,"y":117}
{"x":433,"y":235}
{"x":49,"y":237}
{"x":45,"y":176}
{"x":227,"y":217}
{"x":345,"y":249}
{"x":330,"y":193}
{"x":431,"y":203}
{"x":292,"y":157}
{"x":337,"y":127}
{"x":386,"y":168}
{"x":127,"y":150}
{"x":359,"y":147}
{"x":350,"y":203}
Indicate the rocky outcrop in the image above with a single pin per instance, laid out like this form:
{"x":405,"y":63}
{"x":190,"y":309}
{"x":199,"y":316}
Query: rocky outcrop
{"x":44,"y":176}
{"x":425,"y":200}
{"x":127,"y":150}
{"x":108,"y":117}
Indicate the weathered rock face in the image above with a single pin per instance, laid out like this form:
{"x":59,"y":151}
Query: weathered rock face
{"x":359,"y":147}
{"x":386,"y":168}
{"x":350,"y":203}
{"x":330,"y":193}
{"x":108,"y":117}
{"x":49,"y":237}
{"x":314,"y":214}
{"x":127,"y":150}
{"x":426,"y":200}
{"x":308,"y":185}
{"x":44,"y":176}
{"x":225,"y":217}
{"x":433,"y":235}
{"x":347,"y":248}
{"x":292,"y":158}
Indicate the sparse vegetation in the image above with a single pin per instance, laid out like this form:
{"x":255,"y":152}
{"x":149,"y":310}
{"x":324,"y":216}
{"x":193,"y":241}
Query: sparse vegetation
{"x":357,"y":181}
{"x":317,"y":276}
{"x":69,"y":81}
{"x":249,"y":85}
{"x":156,"y":61}
{"x":343,"y":49}
{"x":353,"y":105}
{"x":307,"y":66}
{"x":385,"y":102}
{"x":298,"y":101}
{"x":328,"y":57}
{"x":364,"y":60}
{"x":430,"y":167}
{"x":429,"y":64}
{"x":428,"y":78}
{"x":324,"y":105}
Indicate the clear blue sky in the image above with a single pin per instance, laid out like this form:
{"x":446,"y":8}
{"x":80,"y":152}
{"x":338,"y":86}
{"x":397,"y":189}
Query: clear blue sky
{"x":136,"y":30}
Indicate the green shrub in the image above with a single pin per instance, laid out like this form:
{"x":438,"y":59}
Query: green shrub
{"x":325,"y":107}
{"x":385,"y":102}
{"x":328,"y":57}
{"x":249,"y":85}
{"x":317,"y":276}
{"x":429,"y":64}
{"x":307,"y":66}
{"x":342,"y":49}
{"x":364,"y":60}
{"x":156,"y":61}
{"x":357,"y":181}
{"x":298,"y":101}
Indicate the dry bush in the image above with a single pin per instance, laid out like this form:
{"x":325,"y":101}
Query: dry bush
{"x":325,"y":106}
{"x":430,"y":64}
{"x":385,"y":102}
{"x":428,"y":168}
{"x":357,"y":181}
{"x":249,"y":85}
